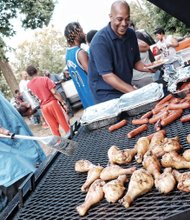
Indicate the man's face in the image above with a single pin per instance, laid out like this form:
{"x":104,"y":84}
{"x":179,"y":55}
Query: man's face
{"x":159,"y":37}
{"x":120,"y":19}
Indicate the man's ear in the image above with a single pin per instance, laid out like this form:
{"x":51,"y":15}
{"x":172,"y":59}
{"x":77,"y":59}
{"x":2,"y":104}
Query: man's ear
{"x":110,"y":16}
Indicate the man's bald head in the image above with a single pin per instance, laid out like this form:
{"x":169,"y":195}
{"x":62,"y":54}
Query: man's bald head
{"x":120,"y":17}
{"x":119,"y":3}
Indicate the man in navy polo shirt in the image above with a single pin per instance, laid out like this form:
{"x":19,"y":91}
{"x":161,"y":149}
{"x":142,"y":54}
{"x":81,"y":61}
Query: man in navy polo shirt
{"x":113,"y":54}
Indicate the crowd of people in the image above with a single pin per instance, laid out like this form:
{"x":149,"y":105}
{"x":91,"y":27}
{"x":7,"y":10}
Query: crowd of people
{"x":115,"y":64}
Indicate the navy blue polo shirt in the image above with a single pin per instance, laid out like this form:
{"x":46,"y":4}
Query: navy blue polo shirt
{"x":108,"y":53}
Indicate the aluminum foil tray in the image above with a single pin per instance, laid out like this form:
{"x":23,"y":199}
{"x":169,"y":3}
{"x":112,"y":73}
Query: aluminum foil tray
{"x":140,"y":100}
{"x":102,"y":123}
{"x":101,"y":113}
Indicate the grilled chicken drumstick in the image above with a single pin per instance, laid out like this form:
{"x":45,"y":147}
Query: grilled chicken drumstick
{"x":174,"y":160}
{"x":141,"y":147}
{"x":140,"y":183}
{"x":118,"y":156}
{"x":93,"y":174}
{"x":166,"y":182}
{"x":93,"y":196}
{"x":83,"y":166}
{"x":113,"y":171}
{"x":152,"y":165}
{"x":114,"y":189}
{"x":183,"y":180}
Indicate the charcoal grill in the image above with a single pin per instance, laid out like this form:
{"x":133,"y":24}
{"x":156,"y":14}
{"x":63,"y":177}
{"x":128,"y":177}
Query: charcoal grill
{"x":58,"y":193}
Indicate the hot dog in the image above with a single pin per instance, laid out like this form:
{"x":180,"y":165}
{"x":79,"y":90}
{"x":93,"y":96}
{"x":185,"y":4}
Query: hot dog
{"x":185,"y":118}
{"x":165,"y":99}
{"x":158,"y":116}
{"x":151,"y":135}
{"x":139,"y":121}
{"x":147,"y":115}
{"x":136,"y":131}
{"x":171,"y":117}
{"x":183,"y":105}
{"x":159,"y":108}
{"x":117,"y":125}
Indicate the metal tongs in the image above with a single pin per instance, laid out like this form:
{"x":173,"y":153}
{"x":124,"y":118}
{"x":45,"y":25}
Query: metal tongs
{"x":58,"y":143}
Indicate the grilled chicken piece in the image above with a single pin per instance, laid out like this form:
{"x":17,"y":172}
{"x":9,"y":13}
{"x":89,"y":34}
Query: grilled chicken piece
{"x":141,"y":147}
{"x":166,"y":145}
{"x":83,"y":166}
{"x":188,"y":138}
{"x":156,"y":144}
{"x":114,"y":189}
{"x":186,"y":155}
{"x":140,"y":183}
{"x":93,"y":196}
{"x":157,"y":139}
{"x":166,"y":182}
{"x":171,"y":144}
{"x":152,"y":164}
{"x":118,"y":156}
{"x":113,"y":171}
{"x":183,"y":180}
{"x":174,"y":160}
{"x":93,"y":174}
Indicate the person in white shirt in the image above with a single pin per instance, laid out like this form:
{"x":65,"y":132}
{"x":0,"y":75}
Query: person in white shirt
{"x":166,"y":44}
{"x":141,"y":79}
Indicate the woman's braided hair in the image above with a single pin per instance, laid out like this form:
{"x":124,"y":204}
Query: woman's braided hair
{"x":71,"y":31}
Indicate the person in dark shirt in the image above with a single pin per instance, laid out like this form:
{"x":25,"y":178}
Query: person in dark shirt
{"x":113,"y":54}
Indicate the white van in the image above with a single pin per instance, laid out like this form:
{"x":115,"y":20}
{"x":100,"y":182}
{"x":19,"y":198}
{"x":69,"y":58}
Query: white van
{"x":71,"y":93}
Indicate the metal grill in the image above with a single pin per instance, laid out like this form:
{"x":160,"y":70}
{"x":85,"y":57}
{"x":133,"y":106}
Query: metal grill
{"x":58,"y":193}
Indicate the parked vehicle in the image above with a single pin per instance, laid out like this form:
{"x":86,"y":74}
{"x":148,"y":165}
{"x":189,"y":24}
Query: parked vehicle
{"x":71,"y":92}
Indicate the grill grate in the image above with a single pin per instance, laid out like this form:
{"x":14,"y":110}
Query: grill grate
{"x":58,"y":193}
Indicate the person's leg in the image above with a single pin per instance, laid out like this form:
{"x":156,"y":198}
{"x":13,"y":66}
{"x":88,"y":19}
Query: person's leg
{"x":61,"y":117}
{"x":50,"y":119}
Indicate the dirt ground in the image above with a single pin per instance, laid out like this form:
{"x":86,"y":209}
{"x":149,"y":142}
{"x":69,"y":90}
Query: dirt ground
{"x":37,"y":130}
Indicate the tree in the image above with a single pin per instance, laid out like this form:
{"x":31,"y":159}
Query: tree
{"x":148,"y":16}
{"x":34,"y":14}
{"x":46,"y":50}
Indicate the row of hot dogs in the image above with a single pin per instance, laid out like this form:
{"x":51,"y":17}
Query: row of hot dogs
{"x":165,"y":112}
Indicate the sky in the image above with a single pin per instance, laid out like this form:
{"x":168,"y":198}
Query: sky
{"x":91,"y":14}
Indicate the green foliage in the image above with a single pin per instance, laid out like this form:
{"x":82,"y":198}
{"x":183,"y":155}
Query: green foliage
{"x":148,"y":16}
{"x":46,"y":51}
{"x":34,"y":14}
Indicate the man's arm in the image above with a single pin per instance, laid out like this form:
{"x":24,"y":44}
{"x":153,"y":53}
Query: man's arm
{"x":57,"y":95}
{"x":83,"y":59}
{"x":173,"y":42}
{"x":117,"y":83}
{"x":142,"y":68}
{"x":143,"y":46}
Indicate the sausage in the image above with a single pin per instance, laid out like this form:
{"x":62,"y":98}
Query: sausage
{"x":151,"y":135}
{"x":159,"y":108}
{"x":185,"y":118}
{"x":136,"y":131}
{"x":183,"y":105}
{"x":140,"y":121}
{"x":147,"y":115}
{"x":117,"y":125}
{"x":171,"y":117}
{"x":165,"y":99}
{"x":160,"y":115}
